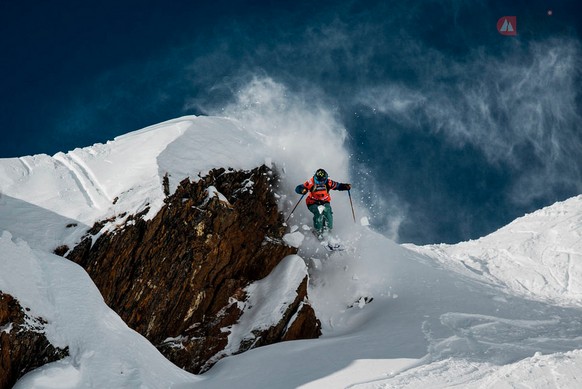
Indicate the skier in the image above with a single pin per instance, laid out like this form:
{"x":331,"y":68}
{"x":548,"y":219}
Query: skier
{"x":318,"y":200}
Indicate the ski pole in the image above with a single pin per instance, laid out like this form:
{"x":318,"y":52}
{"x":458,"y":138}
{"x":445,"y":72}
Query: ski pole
{"x":352,"y":205}
{"x":293,"y":210}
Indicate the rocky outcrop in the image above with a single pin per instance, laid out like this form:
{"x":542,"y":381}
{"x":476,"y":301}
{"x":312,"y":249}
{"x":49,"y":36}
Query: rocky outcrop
{"x":23,"y":346}
{"x":176,"y":278}
{"x":305,"y":326}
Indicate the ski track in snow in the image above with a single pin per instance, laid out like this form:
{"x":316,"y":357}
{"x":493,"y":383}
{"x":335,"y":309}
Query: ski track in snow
{"x":86,"y":171}
{"x":26,"y":165}
{"x":84,"y":183}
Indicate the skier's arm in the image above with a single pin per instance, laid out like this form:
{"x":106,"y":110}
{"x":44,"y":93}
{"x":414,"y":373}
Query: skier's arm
{"x":300,"y":189}
{"x":339,"y":185}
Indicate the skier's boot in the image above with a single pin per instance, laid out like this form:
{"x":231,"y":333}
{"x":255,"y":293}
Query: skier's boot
{"x":318,"y":234}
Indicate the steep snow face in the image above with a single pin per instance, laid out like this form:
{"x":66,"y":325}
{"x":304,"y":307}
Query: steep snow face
{"x":121,"y":176}
{"x":83,"y":183}
{"x":538,"y":256}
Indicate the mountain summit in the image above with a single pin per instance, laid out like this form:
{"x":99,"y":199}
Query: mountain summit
{"x":185,"y":263}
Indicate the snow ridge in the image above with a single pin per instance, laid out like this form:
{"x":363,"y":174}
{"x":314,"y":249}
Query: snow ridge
{"x":538,"y":256}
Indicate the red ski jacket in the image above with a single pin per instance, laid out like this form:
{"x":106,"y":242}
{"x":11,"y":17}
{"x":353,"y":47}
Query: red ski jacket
{"x":318,"y":193}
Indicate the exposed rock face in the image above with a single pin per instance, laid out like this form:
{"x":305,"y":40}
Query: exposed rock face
{"x":23,"y":346}
{"x":176,"y":278}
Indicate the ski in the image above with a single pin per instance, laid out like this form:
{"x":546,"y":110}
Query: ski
{"x":328,"y":242}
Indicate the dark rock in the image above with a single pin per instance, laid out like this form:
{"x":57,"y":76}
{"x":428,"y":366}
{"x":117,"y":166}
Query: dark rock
{"x":23,"y":346}
{"x":305,"y":324}
{"x":175,"y":279}
{"x":61,"y":250}
{"x":166,"y":185}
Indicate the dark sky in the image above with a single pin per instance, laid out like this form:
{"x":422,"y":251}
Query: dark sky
{"x":455,"y":130}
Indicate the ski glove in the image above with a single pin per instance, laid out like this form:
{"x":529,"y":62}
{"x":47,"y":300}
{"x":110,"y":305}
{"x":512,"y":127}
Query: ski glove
{"x":300,"y":189}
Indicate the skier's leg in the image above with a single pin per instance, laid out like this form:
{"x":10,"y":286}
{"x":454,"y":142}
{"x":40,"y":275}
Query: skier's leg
{"x":328,"y":214}
{"x":317,"y":217}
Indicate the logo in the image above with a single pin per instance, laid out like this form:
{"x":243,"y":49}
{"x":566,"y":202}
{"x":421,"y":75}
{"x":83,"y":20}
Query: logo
{"x":507,"y":25}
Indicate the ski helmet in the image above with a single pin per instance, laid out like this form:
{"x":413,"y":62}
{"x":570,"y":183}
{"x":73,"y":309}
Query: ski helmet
{"x":320,"y":175}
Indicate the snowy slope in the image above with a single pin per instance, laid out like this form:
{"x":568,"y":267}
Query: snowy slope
{"x":427,"y":326}
{"x":104,"y":352}
{"x":124,"y":175}
{"x":538,"y":256}
{"x":502,"y":311}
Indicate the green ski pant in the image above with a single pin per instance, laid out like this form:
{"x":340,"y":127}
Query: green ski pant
{"x":323,"y":219}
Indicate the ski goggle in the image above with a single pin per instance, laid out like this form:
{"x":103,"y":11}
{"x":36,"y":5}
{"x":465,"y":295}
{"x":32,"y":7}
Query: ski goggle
{"x":320,"y":175}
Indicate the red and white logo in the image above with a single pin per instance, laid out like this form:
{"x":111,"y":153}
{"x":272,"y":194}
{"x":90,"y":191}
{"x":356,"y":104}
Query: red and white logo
{"x":507,"y":25}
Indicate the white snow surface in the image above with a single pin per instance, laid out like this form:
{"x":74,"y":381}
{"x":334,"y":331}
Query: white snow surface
{"x":538,"y":256}
{"x":503,"y":311}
